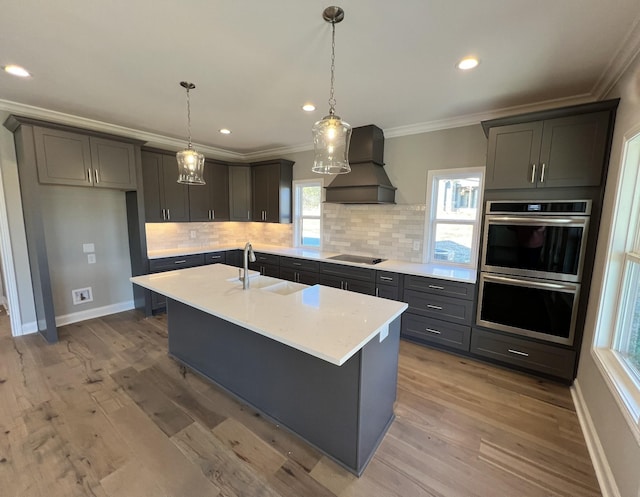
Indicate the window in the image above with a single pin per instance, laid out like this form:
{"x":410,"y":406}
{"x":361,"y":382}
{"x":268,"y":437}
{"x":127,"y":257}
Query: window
{"x":307,"y":213}
{"x":617,"y":339}
{"x":454,"y":200}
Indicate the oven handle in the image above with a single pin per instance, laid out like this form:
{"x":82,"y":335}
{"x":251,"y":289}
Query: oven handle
{"x":531,"y":283}
{"x":577,"y":220}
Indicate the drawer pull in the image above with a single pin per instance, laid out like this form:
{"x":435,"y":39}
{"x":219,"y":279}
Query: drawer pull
{"x":297,"y":264}
{"x":436,"y":307}
{"x":517,"y":352}
{"x":436,"y":287}
{"x":386,"y":278}
{"x":183,"y":261}
{"x":216,"y":257}
{"x":435,"y":332}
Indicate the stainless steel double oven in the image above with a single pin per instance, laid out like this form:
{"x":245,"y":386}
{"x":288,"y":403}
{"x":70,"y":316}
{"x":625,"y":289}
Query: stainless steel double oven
{"x":531,"y":267}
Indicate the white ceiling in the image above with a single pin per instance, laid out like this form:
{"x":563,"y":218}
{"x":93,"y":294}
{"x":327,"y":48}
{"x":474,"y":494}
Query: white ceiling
{"x":255,"y":63}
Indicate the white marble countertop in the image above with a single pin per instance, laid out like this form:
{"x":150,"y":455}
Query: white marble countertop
{"x":444,"y":272}
{"x":325,"y":322}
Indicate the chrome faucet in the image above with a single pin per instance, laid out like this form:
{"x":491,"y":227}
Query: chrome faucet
{"x":248,"y":256}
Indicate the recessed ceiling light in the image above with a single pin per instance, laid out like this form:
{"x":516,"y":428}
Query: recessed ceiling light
{"x":308,"y":107}
{"x":467,"y":63}
{"x":17,"y":71}
{"x":225,"y":131}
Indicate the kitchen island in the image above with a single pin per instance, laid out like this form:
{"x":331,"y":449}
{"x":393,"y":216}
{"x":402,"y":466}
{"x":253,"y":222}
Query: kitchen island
{"x":320,"y":361}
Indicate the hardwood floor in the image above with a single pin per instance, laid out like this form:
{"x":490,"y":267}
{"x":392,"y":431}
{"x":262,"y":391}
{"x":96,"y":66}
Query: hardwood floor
{"x":106,"y":413}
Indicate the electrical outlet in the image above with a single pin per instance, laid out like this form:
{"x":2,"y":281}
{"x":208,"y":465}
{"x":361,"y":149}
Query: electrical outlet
{"x":91,"y":258}
{"x":193,"y":233}
{"x":82,"y":295}
{"x":416,"y":245}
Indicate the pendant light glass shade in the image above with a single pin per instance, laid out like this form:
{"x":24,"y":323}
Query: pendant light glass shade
{"x":190,"y":167}
{"x":331,"y":137}
{"x":190,"y":162}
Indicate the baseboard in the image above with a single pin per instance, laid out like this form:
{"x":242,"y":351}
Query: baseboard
{"x":96,"y":312}
{"x":607,"y":482}
{"x":28,"y":328}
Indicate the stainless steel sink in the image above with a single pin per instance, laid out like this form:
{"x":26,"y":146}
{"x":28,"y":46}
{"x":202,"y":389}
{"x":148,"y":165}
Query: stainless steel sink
{"x":357,"y":259}
{"x":273,"y":285}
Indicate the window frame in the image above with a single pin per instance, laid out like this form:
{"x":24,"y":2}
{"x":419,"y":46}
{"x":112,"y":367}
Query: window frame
{"x":622,"y":252}
{"x":431,"y":221}
{"x":297,"y":216}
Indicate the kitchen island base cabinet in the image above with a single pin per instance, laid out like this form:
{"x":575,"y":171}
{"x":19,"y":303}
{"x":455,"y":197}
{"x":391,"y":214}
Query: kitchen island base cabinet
{"x":344,"y":411}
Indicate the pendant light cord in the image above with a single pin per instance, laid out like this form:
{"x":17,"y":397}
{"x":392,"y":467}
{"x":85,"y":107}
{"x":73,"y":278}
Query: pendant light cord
{"x":332,"y":100}
{"x":189,"y":118}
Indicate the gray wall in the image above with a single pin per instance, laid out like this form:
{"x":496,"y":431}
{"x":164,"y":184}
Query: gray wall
{"x":11,"y":187}
{"x":408,"y":158}
{"x":74,"y":216}
{"x":620,"y":446}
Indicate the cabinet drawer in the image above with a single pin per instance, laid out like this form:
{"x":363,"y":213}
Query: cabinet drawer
{"x":304,"y":277}
{"x":348,"y":272}
{"x":436,"y":306}
{"x":439,"y":287}
{"x":171,"y":263}
{"x":388,"y":278}
{"x":435,"y":331}
{"x":300,"y":264}
{"x":263,"y":258}
{"x":215,"y":258}
{"x":265,"y":269}
{"x":546,"y":359}
{"x":358,"y":286}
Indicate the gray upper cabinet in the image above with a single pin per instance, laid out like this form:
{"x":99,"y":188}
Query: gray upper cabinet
{"x":239,"y":193}
{"x":271,"y":191}
{"x":562,"y":148}
{"x":210,"y":202}
{"x":165,"y":200}
{"x":74,"y":159}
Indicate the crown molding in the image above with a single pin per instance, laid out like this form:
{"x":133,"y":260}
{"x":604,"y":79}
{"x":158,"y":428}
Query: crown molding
{"x":471,"y":119}
{"x":152,"y":139}
{"x":624,"y":56}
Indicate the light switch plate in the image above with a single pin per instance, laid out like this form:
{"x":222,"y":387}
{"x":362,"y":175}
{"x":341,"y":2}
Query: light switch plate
{"x":87,"y":248}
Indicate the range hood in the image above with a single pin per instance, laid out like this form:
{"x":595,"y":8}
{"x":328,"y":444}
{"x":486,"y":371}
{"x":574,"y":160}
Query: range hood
{"x":367,"y":183}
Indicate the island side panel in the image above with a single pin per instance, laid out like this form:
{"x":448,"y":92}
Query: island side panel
{"x":378,"y":389}
{"x":311,"y":397}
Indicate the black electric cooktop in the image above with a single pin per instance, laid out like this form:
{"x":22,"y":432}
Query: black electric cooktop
{"x":356,"y":258}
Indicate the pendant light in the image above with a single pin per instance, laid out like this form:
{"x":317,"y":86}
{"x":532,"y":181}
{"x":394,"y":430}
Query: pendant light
{"x":331,"y":135}
{"x":190,"y":162}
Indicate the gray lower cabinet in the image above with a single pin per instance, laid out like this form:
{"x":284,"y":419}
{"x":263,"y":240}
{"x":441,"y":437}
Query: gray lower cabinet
{"x":440,"y":312}
{"x":300,"y":270}
{"x":75,"y":159}
{"x":354,"y":279}
{"x":239,"y":193}
{"x":389,"y":285}
{"x":169,"y":264}
{"x":547,"y":359}
{"x":215,"y":257}
{"x":266,"y":264}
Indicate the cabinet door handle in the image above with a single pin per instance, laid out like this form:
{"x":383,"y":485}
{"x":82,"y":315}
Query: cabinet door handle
{"x":213,"y":214}
{"x":386,"y":278}
{"x":342,"y":285}
{"x":431,"y":330}
{"x":89,"y":175}
{"x":436,"y":287}
{"x":517,"y":352}
{"x":346,"y":285}
{"x":533,"y":174}
{"x":544,"y":166}
{"x":164,"y":215}
{"x":377,"y":292}
{"x":95,"y":172}
{"x":248,"y":215}
{"x":183,"y":261}
{"x":436,"y":307}
{"x":168,"y":214}
{"x":209,"y":215}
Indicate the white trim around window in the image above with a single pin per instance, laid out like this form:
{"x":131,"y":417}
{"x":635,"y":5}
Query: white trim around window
{"x":299,"y":217}
{"x":622,"y":259}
